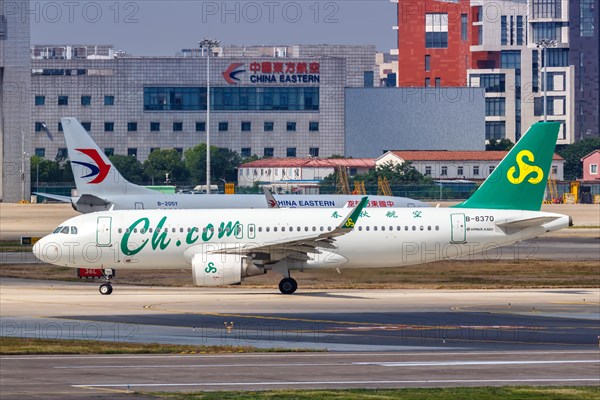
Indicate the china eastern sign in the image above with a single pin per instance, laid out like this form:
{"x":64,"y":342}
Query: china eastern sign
{"x":274,"y":72}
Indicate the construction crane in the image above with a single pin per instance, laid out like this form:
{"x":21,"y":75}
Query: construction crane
{"x":359,"y":188}
{"x":383,"y":187}
{"x":342,"y":185}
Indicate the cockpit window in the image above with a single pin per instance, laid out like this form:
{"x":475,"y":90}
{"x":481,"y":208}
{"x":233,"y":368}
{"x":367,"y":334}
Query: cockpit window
{"x":65,"y":230}
{"x":73,"y":230}
{"x":57,"y":229}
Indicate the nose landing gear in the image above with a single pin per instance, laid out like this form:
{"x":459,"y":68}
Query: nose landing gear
{"x":106,"y":288}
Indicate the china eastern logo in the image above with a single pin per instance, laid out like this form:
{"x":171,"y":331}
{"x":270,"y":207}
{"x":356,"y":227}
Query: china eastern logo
{"x":99,"y":170}
{"x":231,"y":73}
{"x":275,"y":72}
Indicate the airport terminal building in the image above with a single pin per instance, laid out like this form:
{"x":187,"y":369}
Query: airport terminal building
{"x":266,"y":101}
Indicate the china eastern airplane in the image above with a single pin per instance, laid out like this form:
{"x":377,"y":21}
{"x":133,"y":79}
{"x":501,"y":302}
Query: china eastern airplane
{"x":101,"y":187}
{"x":225,"y":246}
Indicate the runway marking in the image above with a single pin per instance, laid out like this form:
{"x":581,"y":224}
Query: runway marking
{"x":463,"y":363}
{"x":353,"y":382}
{"x":308,"y":354}
{"x":371,"y":363}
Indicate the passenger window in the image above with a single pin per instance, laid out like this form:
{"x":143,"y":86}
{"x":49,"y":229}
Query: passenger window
{"x":275,"y":229}
{"x":437,"y":228}
{"x":260,"y":228}
{"x":360,"y":228}
{"x":306,"y":228}
{"x":429,"y":228}
{"x":135,"y":230}
{"x":150,"y":230}
{"x":181,"y":230}
{"x":406,"y":227}
{"x":142,"y":230}
{"x":299,"y":229}
{"x":321,"y":229}
{"x":314,"y":228}
{"x":65,"y":230}
{"x":414,"y":228}
{"x":422,"y":227}
{"x":267,"y":229}
{"x":375,"y":228}
{"x":328,"y":228}
{"x":120,"y":230}
{"x":57,"y":229}
{"x":398,"y":228}
{"x":367,"y":228}
{"x":73,"y":230}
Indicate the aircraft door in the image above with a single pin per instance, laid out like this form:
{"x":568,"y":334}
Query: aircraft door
{"x":139,"y":205}
{"x":459,"y":228}
{"x":103,"y":228}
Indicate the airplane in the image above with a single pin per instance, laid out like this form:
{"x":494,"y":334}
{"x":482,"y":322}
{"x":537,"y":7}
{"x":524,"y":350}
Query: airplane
{"x":223,"y":247}
{"x":101,"y":187}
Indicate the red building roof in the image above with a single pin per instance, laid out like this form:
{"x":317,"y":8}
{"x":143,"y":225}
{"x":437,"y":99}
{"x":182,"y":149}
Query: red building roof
{"x":445,"y":155}
{"x":590,"y":154}
{"x":311,"y":163}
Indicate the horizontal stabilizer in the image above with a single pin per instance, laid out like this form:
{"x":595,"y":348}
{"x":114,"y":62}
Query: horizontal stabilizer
{"x":92,"y":201}
{"x":523,"y":223}
{"x":57,"y":197}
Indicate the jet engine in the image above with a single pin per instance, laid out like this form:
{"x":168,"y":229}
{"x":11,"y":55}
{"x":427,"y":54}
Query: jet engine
{"x":218,"y":269}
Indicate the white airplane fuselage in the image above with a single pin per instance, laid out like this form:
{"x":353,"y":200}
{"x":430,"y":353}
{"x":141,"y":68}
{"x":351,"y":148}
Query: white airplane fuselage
{"x":158,"y":201}
{"x":158,"y":239}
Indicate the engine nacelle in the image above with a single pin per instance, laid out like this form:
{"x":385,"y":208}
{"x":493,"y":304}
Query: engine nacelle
{"x":219,"y":270}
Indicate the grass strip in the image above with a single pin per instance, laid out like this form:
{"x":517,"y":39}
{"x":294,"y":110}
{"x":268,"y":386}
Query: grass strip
{"x":454,"y":275}
{"x":479,"y":393}
{"x":23,"y":346}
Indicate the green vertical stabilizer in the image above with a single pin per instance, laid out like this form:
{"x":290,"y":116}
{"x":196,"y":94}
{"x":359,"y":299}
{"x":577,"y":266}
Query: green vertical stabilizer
{"x":519,"y":181}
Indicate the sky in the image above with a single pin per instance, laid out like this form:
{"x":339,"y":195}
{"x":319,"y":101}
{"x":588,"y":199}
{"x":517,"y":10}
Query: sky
{"x":162,"y":27}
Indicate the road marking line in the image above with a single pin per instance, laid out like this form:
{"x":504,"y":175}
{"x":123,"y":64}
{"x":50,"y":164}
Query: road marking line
{"x":287,"y":355}
{"x":301,"y":383}
{"x":376,"y":363}
{"x":463,"y":363}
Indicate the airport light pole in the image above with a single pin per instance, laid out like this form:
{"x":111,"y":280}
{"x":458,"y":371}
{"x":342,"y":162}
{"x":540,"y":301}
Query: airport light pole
{"x":23,"y":155}
{"x":208,"y":44}
{"x":545,"y":44}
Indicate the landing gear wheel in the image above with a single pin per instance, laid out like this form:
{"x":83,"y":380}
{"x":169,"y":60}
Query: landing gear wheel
{"x":105,"y":289}
{"x":288,"y":285}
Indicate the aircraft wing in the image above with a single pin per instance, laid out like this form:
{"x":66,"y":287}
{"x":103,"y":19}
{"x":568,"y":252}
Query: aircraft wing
{"x":300,"y":248}
{"x":522,"y":223}
{"x":63,"y":199}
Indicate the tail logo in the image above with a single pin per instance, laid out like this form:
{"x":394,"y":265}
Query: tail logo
{"x":98,"y":170}
{"x":525,"y":170}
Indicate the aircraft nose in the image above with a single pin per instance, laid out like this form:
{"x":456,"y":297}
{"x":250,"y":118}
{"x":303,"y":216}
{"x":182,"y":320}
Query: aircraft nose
{"x":36,"y":249}
{"x":46,"y":252}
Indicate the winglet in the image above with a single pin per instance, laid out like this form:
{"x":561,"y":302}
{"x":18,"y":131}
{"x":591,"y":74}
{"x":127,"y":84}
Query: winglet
{"x":349,"y":222}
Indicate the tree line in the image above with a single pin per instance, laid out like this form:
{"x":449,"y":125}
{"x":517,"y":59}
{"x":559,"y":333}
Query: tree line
{"x":187,"y":168}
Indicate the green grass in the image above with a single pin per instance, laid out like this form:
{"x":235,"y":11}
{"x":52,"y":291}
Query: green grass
{"x":13,"y":246}
{"x":20,"y":346}
{"x":479,"y":393}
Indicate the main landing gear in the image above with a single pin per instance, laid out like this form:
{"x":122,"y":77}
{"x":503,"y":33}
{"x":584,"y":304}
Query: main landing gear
{"x":106,"y":288}
{"x":288,"y":285}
